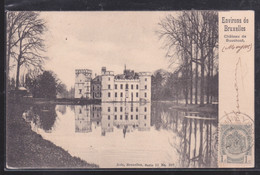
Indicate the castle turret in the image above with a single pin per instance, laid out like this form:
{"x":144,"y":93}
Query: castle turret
{"x":82,"y":83}
{"x":145,"y":85}
{"x":107,"y":85}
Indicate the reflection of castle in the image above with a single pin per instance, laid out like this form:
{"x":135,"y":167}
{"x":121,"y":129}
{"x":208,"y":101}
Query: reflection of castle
{"x":96,"y":115}
{"x":82,"y":119}
{"x":127,"y":116}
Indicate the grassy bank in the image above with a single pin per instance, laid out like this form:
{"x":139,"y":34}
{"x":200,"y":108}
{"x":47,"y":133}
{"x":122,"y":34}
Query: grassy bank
{"x":65,"y":101}
{"x":26,"y":149}
{"x":207,"y":108}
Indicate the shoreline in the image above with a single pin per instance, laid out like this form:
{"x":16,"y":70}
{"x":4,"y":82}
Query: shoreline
{"x":207,"y":108}
{"x":28,"y":150}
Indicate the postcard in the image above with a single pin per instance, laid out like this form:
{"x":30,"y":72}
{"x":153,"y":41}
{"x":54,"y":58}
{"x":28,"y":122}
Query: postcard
{"x":129,"y":89}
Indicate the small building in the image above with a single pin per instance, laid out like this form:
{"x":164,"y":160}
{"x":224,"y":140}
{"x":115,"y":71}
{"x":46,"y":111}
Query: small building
{"x":83,"y":83}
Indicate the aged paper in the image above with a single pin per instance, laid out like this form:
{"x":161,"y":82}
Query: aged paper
{"x":154,"y":89}
{"x":236,"y":89}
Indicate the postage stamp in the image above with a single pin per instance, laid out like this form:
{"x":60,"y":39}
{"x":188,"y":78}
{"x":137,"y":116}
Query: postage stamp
{"x":236,"y":140}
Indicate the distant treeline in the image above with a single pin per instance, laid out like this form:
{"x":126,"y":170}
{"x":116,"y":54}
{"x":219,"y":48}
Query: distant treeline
{"x":171,"y":86}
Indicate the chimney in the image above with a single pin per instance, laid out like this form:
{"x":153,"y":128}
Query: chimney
{"x":103,"y":70}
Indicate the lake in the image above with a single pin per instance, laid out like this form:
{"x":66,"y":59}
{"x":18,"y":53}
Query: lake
{"x":129,"y":135}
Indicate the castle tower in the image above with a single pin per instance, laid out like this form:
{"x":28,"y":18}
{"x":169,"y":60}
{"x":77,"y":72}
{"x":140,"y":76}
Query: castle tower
{"x":83,"y":83}
{"x":107,"y":85}
{"x":145,"y":86}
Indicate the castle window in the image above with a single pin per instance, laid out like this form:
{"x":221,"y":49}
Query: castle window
{"x":109,"y":86}
{"x":108,"y":94}
{"x":136,"y":117}
{"x":121,"y":117}
{"x":115,"y":109}
{"x":108,"y":117}
{"x":115,"y":94}
{"x":137,"y":86}
{"x":131,"y":117}
{"x":108,"y":109}
{"x":121,"y":94}
{"x":115,"y":86}
{"x":145,"y":95}
{"x":136,"y":94}
{"x":121,"y":109}
{"x":132,"y":86}
{"x":108,"y":124}
{"x":126,"y":86}
{"x":145,"y":86}
{"x":80,"y":111}
{"x":115,"y":117}
{"x":121,"y":86}
{"x":108,"y":78}
{"x":145,"y":109}
{"x":145,"y":117}
{"x":80,"y":91}
{"x":126,"y":117}
{"x":136,"y":109}
{"x":132,"y":109}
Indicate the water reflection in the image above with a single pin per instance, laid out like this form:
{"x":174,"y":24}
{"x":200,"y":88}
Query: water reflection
{"x":82,"y":119}
{"x":43,"y":116}
{"x":112,"y":133}
{"x":125,"y":116}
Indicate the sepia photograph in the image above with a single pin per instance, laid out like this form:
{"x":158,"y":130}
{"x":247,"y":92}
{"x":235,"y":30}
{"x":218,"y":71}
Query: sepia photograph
{"x":114,"y":90}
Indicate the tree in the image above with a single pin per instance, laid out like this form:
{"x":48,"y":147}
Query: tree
{"x":24,"y":41}
{"x":62,"y":91}
{"x":47,"y":85}
{"x":157,"y":86}
{"x":44,"y":85}
{"x":191,"y":38}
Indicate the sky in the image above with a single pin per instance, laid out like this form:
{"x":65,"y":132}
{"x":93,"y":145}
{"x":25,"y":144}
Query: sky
{"x":90,"y":40}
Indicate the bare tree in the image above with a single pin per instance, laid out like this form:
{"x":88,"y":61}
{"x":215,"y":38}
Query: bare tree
{"x":24,"y":41}
{"x":191,"y":38}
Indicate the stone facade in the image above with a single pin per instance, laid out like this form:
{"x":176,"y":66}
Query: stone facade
{"x":126,"y":88}
{"x":96,"y":87}
{"x":83,"y":83}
